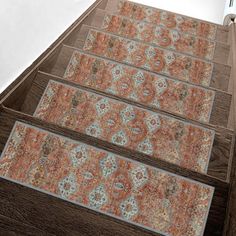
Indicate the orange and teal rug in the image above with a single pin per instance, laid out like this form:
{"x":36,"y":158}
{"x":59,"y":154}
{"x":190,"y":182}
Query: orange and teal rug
{"x":156,"y":135}
{"x":167,"y":19}
{"x":142,"y":195}
{"x":159,"y":36}
{"x":140,"y":86}
{"x":147,"y":57}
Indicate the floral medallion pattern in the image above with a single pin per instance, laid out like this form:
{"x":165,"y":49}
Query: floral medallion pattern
{"x":167,"y":19}
{"x":126,"y":125}
{"x":147,"y":57}
{"x":159,"y":201}
{"x":159,"y":36}
{"x":143,"y":87}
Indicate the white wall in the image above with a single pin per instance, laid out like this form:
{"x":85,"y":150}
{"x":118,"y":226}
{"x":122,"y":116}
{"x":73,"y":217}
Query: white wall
{"x":28,"y":27}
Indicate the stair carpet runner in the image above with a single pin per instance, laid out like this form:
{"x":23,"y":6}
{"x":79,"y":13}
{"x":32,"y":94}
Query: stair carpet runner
{"x":163,"y":18}
{"x":146,"y":196}
{"x":152,"y":90}
{"x":147,"y":57}
{"x":119,"y":187}
{"x":158,"y":36}
{"x":126,"y":125}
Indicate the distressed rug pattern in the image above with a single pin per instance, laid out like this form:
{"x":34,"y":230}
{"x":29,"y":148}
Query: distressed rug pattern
{"x":105,"y":182}
{"x":144,"y":56}
{"x":125,"y":125}
{"x":159,"y":36}
{"x":137,"y":85}
{"x":168,"y":19}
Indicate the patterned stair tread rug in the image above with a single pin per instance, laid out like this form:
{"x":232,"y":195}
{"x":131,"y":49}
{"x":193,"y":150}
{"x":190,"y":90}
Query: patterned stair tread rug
{"x":138,"y":194}
{"x":147,"y":57}
{"x":167,"y":19}
{"x":126,"y":125}
{"x":159,"y":36}
{"x":140,"y":86}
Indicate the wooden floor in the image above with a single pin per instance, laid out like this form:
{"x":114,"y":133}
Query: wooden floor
{"x":230,"y":229}
{"x":26,"y":211}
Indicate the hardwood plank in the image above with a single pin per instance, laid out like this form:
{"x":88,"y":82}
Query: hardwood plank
{"x":230,"y":228}
{"x":18,"y":95}
{"x":221,"y":109}
{"x":221,"y":54}
{"x":231,"y":81}
{"x":222,"y":34}
{"x":11,"y":227}
{"x":30,"y":207}
{"x":221,"y":148}
{"x":220,"y":77}
{"x":148,"y":192}
{"x":230,"y":220}
{"x":57,"y":216}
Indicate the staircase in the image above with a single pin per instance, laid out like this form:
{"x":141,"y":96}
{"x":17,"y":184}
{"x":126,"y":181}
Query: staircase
{"x":124,"y":126}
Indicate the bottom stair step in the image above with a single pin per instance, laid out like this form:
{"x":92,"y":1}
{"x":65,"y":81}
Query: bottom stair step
{"x":138,"y":194}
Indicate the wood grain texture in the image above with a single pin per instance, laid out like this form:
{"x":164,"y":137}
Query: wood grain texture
{"x":230,"y":228}
{"x":56,"y":216}
{"x":11,"y":227}
{"x":221,"y":109}
{"x":221,"y":55}
{"x":222,"y":34}
{"x":220,"y":77}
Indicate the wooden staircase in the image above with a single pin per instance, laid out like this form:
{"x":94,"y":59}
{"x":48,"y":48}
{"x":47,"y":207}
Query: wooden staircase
{"x":124,"y":126}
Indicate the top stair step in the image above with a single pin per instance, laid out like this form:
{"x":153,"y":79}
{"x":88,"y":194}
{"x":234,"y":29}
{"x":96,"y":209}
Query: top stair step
{"x":168,"y":19}
{"x":161,"y":36}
